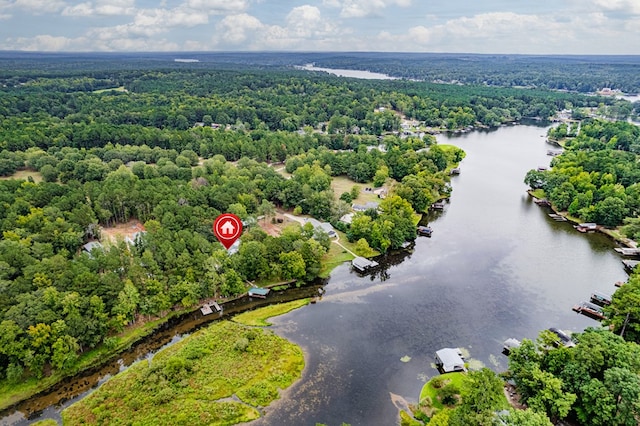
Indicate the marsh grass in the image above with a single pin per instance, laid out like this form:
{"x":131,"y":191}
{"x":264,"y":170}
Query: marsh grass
{"x":258,"y":317}
{"x":192,"y":381}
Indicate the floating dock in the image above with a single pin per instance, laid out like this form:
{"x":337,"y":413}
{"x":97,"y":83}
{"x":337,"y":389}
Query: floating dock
{"x":557,"y":217}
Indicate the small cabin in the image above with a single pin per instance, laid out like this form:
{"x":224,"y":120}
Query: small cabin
{"x":450,"y":359}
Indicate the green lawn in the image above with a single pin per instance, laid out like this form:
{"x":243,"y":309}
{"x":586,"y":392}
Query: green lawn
{"x":429,"y":391}
{"x":341,"y":184}
{"x":192,"y":382}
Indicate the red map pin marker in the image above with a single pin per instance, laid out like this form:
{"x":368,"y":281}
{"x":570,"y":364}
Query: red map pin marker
{"x":228,"y":228}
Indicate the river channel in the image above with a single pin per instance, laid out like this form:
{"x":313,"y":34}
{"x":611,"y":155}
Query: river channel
{"x":496,"y":267}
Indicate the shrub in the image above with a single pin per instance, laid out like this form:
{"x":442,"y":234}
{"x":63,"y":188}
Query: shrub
{"x":448,"y":394}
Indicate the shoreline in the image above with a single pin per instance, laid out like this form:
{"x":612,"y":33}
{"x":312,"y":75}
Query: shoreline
{"x":83,"y":379}
{"x":626,"y":242}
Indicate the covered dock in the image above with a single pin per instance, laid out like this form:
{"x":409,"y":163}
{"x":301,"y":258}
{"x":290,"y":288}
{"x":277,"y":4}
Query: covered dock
{"x":450,"y":359}
{"x":259,"y":292}
{"x":362,"y":264}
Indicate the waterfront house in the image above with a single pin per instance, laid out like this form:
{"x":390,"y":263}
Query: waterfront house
{"x":325,"y":227}
{"x":371,"y":205}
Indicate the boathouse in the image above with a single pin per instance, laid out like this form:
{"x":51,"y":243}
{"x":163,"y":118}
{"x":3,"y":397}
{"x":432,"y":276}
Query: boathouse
{"x":425,"y":230}
{"x":450,"y":359}
{"x":438,"y":205}
{"x":361,"y":264}
{"x":259,"y":292}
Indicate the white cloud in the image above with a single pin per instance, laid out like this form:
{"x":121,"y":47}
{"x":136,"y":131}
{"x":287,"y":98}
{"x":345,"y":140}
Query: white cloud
{"x":236,"y":29}
{"x":39,"y":7}
{"x":218,"y":7}
{"x":40,"y":43}
{"x":82,"y":9}
{"x":363,"y":8}
{"x":624,"y":6}
{"x":304,"y":29}
{"x":101,"y":7}
{"x":306,"y":21}
{"x":507,"y":32}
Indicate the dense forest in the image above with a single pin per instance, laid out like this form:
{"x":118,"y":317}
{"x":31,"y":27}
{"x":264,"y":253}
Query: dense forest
{"x":597,"y":177}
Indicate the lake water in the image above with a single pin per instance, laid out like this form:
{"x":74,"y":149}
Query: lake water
{"x":496,"y":267}
{"x":366,"y":75}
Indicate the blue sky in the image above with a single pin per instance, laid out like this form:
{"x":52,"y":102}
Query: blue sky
{"x":469,"y":26}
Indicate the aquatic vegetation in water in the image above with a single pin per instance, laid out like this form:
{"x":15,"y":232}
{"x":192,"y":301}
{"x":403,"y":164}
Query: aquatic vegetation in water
{"x":405,"y":358}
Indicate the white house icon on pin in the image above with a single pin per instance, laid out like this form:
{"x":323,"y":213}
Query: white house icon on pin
{"x":227,"y":228}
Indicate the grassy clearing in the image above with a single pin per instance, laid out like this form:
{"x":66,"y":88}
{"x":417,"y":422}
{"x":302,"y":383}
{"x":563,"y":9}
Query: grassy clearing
{"x":538,"y":193}
{"x":189,"y":382}
{"x":336,"y":256}
{"x":114,"y":89}
{"x":258,"y":317}
{"x":341,"y":184}
{"x":428,"y":390}
{"x":24,"y":175}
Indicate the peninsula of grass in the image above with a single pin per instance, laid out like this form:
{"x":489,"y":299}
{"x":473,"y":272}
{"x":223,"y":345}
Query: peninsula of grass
{"x":429,"y":392}
{"x":193,"y":381}
{"x":258,"y":317}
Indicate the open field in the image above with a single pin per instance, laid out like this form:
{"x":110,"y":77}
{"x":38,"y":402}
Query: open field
{"x":193,"y":381}
{"x":24,"y":174}
{"x":341,"y":184}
